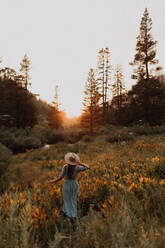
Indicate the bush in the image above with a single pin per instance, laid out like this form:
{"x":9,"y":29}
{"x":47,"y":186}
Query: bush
{"x":19,"y":140}
{"x":21,"y":144}
{"x":73,"y":135}
{"x":148,"y":130}
{"x":54,"y":136}
{"x":87,"y":138}
{"x":119,"y":136}
{"x":6,"y":138}
{"x":159,"y":169}
{"x":5,"y":158}
{"x":32,"y":143}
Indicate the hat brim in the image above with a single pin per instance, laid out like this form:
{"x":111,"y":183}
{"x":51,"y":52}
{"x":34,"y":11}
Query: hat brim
{"x":71,"y":154}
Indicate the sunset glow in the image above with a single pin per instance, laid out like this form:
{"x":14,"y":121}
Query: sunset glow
{"x":72,"y":112}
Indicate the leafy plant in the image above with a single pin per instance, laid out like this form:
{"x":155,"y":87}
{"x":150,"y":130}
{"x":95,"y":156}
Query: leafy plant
{"x":5,"y":158}
{"x":159,"y":168}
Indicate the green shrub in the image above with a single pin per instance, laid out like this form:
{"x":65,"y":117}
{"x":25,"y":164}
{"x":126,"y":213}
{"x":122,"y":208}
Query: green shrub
{"x":87,"y":138}
{"x":7,"y":138}
{"x":73,"y":135}
{"x":43,"y":133}
{"x":148,"y":130}
{"x":47,"y":135}
{"x":5,"y":158}
{"x":54,"y":136}
{"x":159,"y":169}
{"x":32,"y":143}
{"x":119,"y":136}
{"x":23,"y":143}
{"x":19,"y":140}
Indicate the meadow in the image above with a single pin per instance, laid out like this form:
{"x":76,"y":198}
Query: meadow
{"x":121,"y":202}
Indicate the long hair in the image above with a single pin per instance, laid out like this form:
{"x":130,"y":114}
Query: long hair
{"x":70,"y":171}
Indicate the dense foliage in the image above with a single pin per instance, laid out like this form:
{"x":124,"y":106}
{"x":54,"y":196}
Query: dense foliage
{"x":146,"y":102}
{"x":17,"y":102}
{"x":5,"y":158}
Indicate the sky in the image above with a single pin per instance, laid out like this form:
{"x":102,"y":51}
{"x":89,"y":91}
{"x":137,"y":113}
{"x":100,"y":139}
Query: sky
{"x":62,"y":39}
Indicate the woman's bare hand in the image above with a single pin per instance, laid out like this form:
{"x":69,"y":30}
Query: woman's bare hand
{"x":51,"y":182}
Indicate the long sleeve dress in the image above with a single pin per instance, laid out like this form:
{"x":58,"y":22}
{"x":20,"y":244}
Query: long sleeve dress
{"x":70,"y":191}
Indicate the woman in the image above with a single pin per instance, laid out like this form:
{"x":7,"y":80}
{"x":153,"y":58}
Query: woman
{"x":70,"y":187}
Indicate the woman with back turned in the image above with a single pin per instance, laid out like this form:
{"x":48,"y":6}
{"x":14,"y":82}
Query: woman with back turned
{"x":70,"y":186}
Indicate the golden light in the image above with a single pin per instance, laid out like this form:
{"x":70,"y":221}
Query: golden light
{"x":73,"y":111}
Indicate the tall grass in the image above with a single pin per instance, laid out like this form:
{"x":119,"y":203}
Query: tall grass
{"x":121,"y":201}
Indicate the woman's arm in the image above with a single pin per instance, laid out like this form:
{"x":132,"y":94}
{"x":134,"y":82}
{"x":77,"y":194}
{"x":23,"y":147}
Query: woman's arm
{"x":84,"y":165}
{"x":55,"y":180}
{"x":60,"y":176}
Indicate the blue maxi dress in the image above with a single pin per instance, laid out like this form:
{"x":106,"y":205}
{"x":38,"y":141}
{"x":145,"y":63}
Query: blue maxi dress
{"x":70,"y":191}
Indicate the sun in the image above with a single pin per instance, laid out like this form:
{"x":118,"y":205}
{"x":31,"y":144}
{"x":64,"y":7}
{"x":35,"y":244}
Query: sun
{"x":73,"y":112}
{"x":72,"y":105}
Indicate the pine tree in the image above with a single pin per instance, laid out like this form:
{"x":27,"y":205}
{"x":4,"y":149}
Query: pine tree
{"x":117,"y":109}
{"x":55,"y":115}
{"x":118,"y":87}
{"x":145,"y":49}
{"x":90,"y":116}
{"x":25,"y":67}
{"x":55,"y":102}
{"x":8,"y":73}
{"x":103,"y":78}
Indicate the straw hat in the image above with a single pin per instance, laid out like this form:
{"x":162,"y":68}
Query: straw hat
{"x":72,"y":158}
